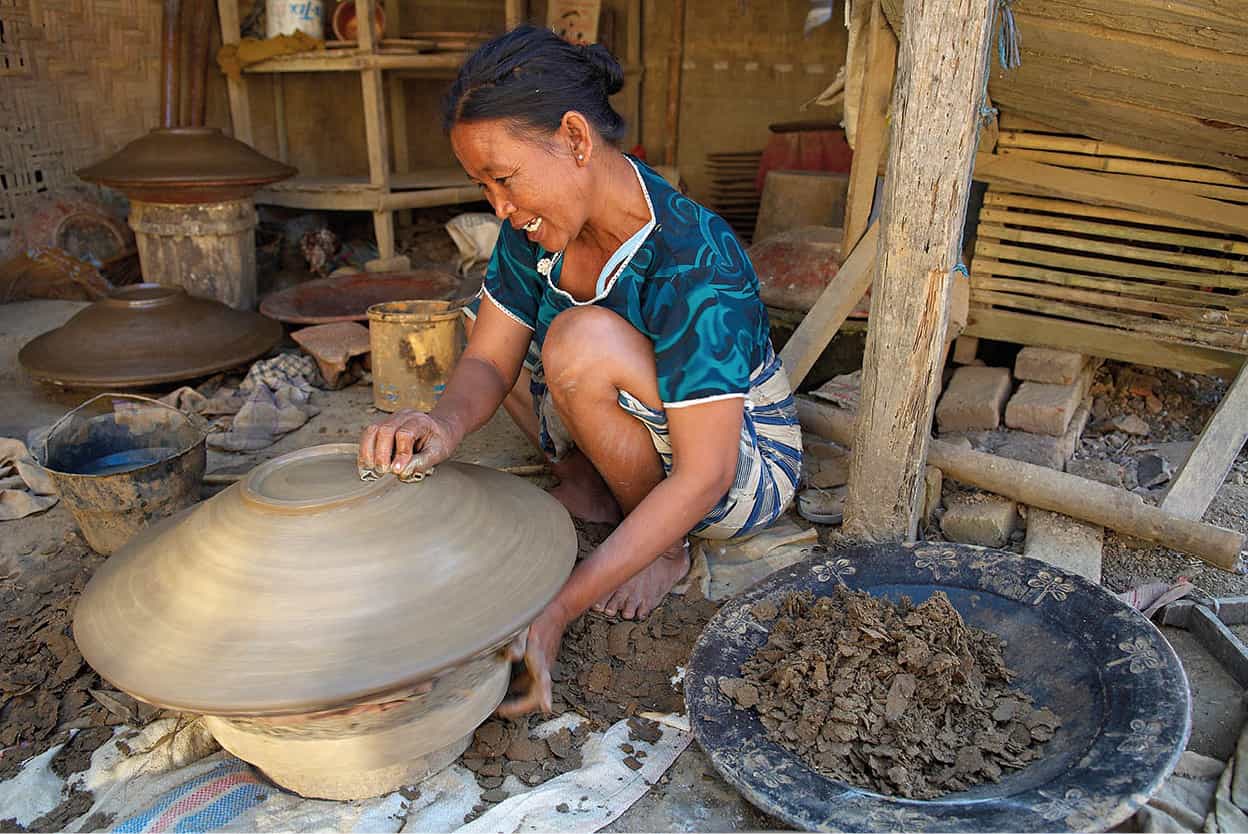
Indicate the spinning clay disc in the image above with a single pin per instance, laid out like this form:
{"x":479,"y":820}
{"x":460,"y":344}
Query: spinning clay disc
{"x":302,"y":587}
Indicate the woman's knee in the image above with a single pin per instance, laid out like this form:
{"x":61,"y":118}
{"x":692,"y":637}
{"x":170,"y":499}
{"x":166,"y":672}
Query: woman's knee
{"x":592,"y":340}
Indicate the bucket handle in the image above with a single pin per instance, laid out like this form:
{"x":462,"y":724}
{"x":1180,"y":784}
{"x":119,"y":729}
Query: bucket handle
{"x":191,"y":418}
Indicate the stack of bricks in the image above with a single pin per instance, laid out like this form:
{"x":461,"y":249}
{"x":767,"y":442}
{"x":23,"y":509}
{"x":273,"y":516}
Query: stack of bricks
{"x":1040,"y":422}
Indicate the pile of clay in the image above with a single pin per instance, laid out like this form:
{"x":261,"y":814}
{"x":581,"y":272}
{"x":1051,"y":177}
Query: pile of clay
{"x":900,"y":699}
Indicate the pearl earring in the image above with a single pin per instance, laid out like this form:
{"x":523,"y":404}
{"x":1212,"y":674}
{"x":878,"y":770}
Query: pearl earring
{"x":580,"y":157}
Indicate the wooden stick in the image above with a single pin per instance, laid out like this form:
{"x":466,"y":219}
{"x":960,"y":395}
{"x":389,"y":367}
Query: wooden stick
{"x":675,"y":69}
{"x":1139,"y":167}
{"x":1114,"y":250}
{"x":1194,"y":488}
{"x":1150,"y":196}
{"x":1110,"y":266}
{"x":1198,"y":316}
{"x":998,"y":197}
{"x":831,"y":309}
{"x":1095,"y":340}
{"x":988,"y":267}
{"x":993,"y":215}
{"x":1077,"y":144}
{"x":1048,"y":489}
{"x":872,"y":130}
{"x":1236,"y":339}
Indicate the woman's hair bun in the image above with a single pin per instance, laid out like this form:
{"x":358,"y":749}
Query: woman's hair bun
{"x":607,"y":68}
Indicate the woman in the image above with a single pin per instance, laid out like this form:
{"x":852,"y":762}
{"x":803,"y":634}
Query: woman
{"x":621,"y":328}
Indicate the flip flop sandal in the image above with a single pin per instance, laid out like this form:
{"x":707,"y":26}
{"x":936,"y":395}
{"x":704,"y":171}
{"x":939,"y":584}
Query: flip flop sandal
{"x":822,"y":506}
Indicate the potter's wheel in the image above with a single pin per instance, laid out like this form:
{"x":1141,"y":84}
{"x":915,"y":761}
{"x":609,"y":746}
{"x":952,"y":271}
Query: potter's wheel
{"x":302,"y":588}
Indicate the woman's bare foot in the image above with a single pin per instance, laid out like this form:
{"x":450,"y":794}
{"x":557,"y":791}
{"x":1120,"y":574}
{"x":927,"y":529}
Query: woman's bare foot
{"x":583,"y":491}
{"x":636,"y":598}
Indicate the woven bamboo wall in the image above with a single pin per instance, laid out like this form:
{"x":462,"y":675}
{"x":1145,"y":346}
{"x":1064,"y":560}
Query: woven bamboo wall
{"x":80,"y":78}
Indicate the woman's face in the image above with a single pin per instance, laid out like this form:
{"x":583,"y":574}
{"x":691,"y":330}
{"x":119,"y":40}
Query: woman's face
{"x":535,"y":186}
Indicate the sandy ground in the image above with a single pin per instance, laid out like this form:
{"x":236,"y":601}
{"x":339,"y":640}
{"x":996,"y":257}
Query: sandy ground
{"x":691,"y":796}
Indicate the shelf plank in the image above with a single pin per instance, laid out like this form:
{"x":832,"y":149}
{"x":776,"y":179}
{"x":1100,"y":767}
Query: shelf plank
{"x":352,"y":60}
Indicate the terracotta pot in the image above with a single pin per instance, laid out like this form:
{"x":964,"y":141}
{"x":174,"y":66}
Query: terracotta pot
{"x":347,"y":28}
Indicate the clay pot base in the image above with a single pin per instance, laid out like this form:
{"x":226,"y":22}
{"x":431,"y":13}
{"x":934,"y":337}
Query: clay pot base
{"x":360,"y":755}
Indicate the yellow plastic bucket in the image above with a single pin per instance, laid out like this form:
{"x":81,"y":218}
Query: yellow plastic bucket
{"x":415,"y":345}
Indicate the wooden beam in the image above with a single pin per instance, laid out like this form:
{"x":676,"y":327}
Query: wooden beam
{"x":1095,"y":340}
{"x":872,"y":132}
{"x":240,"y":103}
{"x":1202,"y":474}
{"x":1048,"y":489}
{"x":376,"y":129}
{"x":1155,"y":198}
{"x":831,"y":309}
{"x":936,"y":117}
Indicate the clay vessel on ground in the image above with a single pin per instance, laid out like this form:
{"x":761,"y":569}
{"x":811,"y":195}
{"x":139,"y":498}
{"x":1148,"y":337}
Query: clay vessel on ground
{"x":145,"y":335}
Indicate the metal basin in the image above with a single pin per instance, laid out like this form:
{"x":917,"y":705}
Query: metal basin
{"x":1104,"y":669}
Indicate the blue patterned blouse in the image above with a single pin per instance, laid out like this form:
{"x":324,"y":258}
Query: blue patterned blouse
{"x":685,"y":282}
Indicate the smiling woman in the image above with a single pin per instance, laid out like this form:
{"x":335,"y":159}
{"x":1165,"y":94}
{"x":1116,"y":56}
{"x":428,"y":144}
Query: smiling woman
{"x":619,"y":325}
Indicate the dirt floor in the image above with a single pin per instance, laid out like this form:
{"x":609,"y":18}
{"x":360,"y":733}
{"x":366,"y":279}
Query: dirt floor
{"x":607,"y":671}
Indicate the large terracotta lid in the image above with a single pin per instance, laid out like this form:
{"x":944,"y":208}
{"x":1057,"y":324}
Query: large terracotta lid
{"x":348,"y":297}
{"x":302,"y":587}
{"x":186,"y":165}
{"x":147,"y":334}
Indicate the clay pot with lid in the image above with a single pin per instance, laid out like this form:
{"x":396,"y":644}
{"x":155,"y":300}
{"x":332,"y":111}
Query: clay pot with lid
{"x":290,"y":600}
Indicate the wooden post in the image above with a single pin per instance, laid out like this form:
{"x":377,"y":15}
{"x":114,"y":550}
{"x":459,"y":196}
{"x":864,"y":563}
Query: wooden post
{"x":872,"y":131}
{"x":240,"y":103}
{"x":1214,"y":454}
{"x":936,"y":115}
{"x":376,"y":130}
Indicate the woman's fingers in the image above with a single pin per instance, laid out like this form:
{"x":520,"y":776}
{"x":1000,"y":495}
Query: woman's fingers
{"x":404,"y":443}
{"x":367,"y":457}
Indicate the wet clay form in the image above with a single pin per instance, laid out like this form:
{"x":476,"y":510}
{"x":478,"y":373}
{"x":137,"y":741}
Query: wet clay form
{"x":348,"y":297}
{"x":1075,"y":649}
{"x":145,"y":335}
{"x":300,"y":593}
{"x":186,"y":165}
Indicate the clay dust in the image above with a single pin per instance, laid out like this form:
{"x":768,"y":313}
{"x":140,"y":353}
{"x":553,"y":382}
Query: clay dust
{"x":607,"y":670}
{"x":900,"y":699}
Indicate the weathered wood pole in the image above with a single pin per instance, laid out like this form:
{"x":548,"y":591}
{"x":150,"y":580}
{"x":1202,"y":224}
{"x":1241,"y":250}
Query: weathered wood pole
{"x":936,"y":114}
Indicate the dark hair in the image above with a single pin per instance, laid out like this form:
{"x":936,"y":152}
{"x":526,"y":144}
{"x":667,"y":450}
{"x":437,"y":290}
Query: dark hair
{"x":531,"y":77}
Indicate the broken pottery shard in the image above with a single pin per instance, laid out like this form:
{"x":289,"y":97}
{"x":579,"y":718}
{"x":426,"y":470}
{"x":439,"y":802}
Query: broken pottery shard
{"x":494,"y":795}
{"x":333,"y":346}
{"x":632,"y":763}
{"x":525,"y":749}
{"x":906,"y":704}
{"x":560,"y":743}
{"x":899,"y":695}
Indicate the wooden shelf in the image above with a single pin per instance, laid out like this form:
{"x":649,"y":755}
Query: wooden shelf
{"x":415,"y":189}
{"x":354,"y":60}
{"x":391,"y":185}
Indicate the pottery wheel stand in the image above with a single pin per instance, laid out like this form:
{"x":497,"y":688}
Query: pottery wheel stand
{"x":1211,"y":626}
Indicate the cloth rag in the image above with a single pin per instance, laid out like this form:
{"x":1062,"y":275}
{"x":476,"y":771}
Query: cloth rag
{"x":233,"y":57}
{"x":172,"y":776}
{"x":25,"y":487}
{"x":272,"y":400}
{"x":474,"y":234}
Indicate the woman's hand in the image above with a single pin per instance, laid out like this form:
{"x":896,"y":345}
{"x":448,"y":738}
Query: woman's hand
{"x":407,"y":442}
{"x":538,"y":649}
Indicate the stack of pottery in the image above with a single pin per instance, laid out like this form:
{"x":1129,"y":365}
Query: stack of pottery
{"x":343,"y":636}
